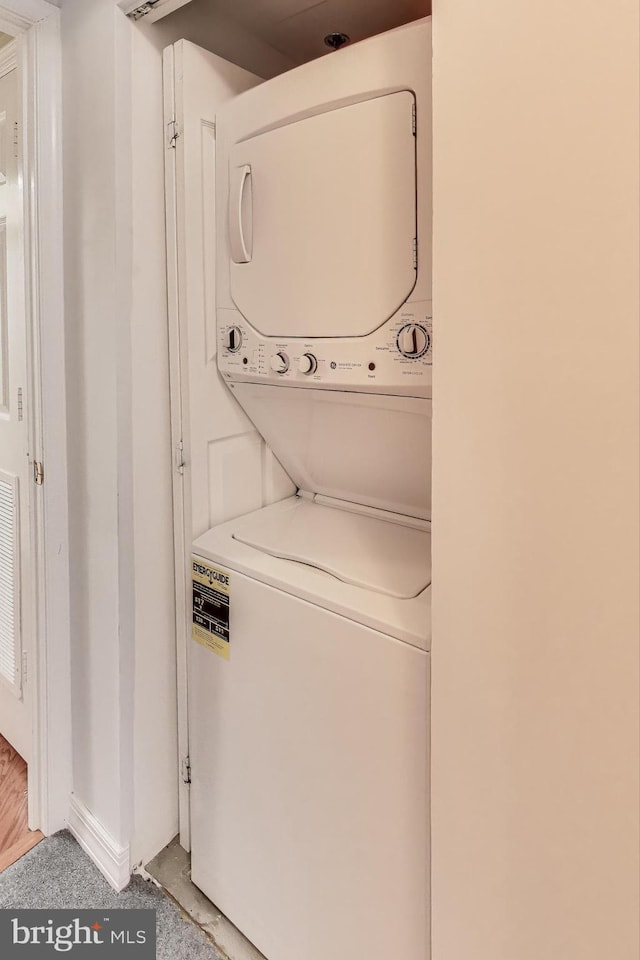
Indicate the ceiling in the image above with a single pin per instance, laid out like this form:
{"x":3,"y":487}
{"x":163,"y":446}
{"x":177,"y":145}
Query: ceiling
{"x":297,"y":27}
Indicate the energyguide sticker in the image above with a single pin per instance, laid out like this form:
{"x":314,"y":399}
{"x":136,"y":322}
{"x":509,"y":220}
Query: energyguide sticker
{"x":211,"y":601}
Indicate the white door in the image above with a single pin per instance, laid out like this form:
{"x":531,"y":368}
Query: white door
{"x":223,"y":468}
{"x":320,"y":245}
{"x":15,"y":716}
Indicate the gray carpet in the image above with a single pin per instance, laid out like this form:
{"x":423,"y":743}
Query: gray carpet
{"x":57,"y":874}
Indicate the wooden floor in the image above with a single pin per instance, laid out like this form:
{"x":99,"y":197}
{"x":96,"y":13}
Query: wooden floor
{"x":15,"y":837}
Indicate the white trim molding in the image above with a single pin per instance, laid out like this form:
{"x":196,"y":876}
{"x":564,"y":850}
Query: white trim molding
{"x":48,"y":802}
{"x":8,"y":58}
{"x":36,"y":24}
{"x":12,"y":23}
{"x":111,"y":859}
{"x":18,"y":16}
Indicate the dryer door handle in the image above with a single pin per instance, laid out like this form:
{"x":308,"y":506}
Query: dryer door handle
{"x":241,"y":215}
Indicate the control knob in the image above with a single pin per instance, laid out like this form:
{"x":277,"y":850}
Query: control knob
{"x":413,"y":340}
{"x":307,"y":364}
{"x":233,"y":339}
{"x":279,"y":362}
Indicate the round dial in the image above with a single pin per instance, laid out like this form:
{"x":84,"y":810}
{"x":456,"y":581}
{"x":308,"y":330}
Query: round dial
{"x":307,"y":364}
{"x":279,"y":362}
{"x":233,"y":339}
{"x":413,"y":340}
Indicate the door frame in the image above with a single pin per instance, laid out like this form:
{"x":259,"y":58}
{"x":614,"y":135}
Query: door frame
{"x":36,"y":26}
{"x":181,"y":498}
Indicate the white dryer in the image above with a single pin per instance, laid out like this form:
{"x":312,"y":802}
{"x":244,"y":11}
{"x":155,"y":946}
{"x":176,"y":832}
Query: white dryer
{"x":309,"y":683}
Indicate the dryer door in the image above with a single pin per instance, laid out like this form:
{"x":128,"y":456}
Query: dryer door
{"x":322,"y":220}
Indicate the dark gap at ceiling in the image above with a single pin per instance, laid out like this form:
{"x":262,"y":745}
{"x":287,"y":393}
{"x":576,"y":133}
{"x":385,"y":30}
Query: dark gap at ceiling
{"x":297,"y":28}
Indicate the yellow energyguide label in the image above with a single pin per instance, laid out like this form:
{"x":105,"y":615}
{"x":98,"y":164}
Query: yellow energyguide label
{"x":211,"y":603}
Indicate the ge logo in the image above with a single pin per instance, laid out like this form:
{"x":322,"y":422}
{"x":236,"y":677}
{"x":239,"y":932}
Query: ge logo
{"x":333,"y":364}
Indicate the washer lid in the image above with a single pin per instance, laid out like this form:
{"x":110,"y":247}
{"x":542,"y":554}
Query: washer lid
{"x":360,"y":549}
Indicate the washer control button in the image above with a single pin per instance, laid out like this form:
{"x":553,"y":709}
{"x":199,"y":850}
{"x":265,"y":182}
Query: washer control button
{"x":233,"y":339}
{"x":279,"y":362}
{"x":307,"y":364}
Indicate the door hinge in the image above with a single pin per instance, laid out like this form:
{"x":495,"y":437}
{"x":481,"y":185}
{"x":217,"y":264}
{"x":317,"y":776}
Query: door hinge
{"x":38,"y":473}
{"x":16,"y":139}
{"x":180,"y":464}
{"x":25,"y":667}
{"x":186,"y":770}
{"x":20,"y":409}
{"x":414,"y":120}
{"x":415,"y":253}
{"x":173,"y":134}
{"x":139,"y":12}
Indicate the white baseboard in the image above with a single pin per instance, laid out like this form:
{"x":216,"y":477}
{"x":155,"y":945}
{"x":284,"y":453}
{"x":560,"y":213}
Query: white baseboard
{"x":111,"y":859}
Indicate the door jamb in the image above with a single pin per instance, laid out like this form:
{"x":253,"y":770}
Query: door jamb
{"x":179,"y":441}
{"x":36,"y":24}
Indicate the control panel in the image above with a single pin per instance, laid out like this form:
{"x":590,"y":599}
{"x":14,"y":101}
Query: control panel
{"x":394,"y":359}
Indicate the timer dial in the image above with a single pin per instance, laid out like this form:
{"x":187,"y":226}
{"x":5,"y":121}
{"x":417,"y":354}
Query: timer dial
{"x":413,"y":340}
{"x":233,"y":339}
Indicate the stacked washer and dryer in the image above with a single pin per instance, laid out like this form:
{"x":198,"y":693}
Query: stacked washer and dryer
{"x":309,"y":687}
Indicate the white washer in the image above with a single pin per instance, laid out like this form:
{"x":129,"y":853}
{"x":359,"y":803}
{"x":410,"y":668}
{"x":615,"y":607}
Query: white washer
{"x":309,"y":683}
{"x":310,"y":803}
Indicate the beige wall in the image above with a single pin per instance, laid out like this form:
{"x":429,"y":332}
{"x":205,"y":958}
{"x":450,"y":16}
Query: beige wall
{"x":535,"y":494}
